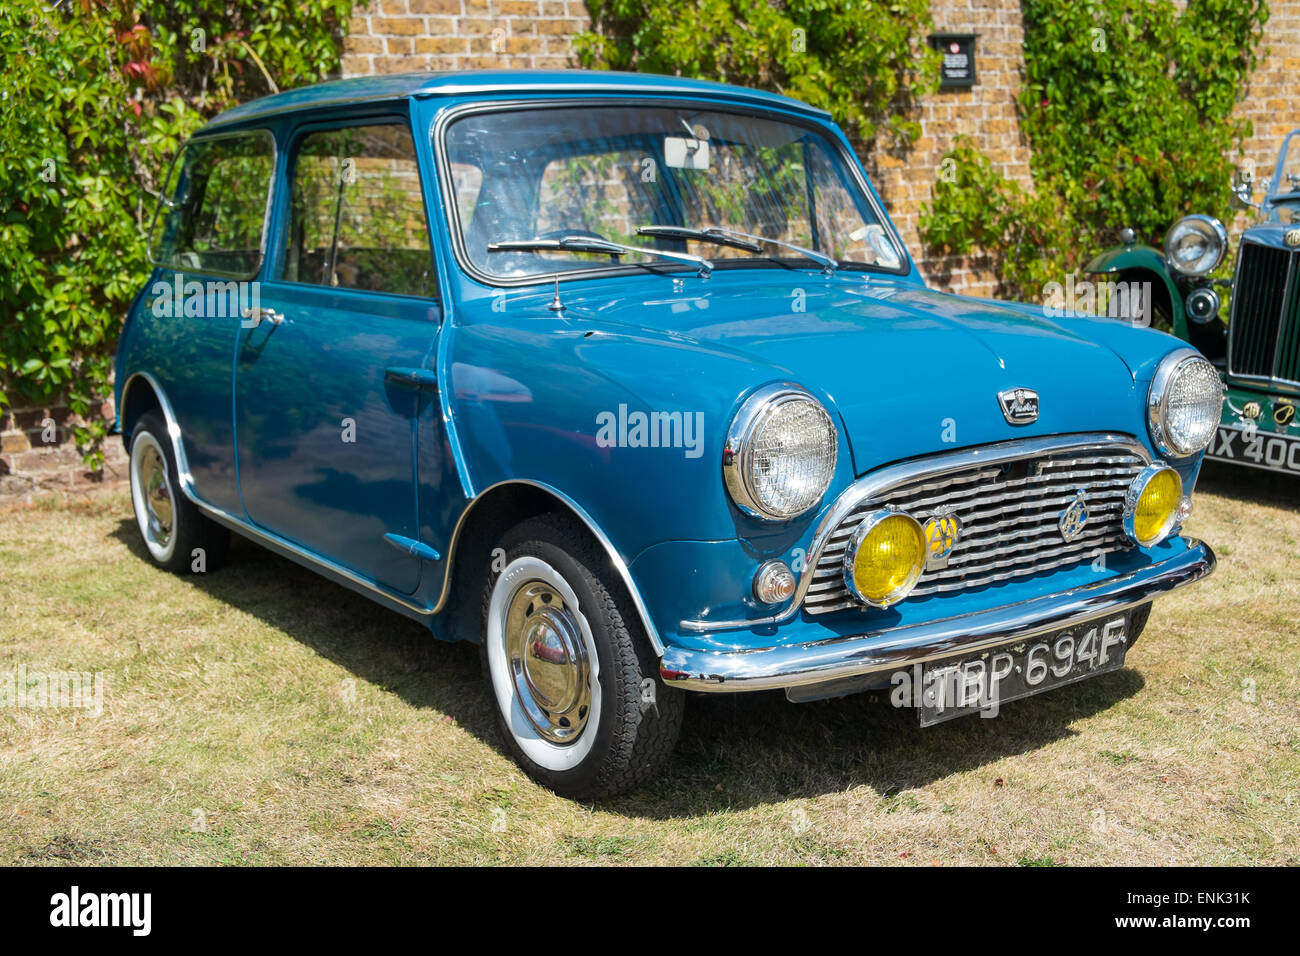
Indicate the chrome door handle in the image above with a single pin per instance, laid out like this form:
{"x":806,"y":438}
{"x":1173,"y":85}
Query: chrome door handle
{"x":255,"y":315}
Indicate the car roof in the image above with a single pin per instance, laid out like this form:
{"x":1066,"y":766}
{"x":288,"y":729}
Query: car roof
{"x":394,"y":86}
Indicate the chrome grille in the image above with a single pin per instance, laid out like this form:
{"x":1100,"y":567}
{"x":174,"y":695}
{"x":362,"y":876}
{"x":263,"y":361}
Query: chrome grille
{"x":1264,"y":334}
{"x":1009,"y":508}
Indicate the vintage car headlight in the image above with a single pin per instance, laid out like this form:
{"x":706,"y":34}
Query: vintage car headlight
{"x":1153,"y":505}
{"x":1184,"y":404}
{"x":884,"y":557}
{"x":780,"y":453}
{"x":1195,"y":245}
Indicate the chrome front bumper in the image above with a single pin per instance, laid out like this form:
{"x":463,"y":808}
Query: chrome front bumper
{"x":839,"y":658}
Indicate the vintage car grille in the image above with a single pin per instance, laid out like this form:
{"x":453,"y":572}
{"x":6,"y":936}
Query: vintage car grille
{"x":1010,"y":515}
{"x":1264,"y":334}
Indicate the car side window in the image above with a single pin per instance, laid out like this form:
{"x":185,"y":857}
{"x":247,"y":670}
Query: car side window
{"x":356,"y":214}
{"x":213,"y":217}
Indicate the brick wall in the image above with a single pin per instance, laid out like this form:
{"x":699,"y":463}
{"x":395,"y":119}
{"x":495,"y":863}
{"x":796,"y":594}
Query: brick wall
{"x":38,"y":456}
{"x":985,"y":112}
{"x":394,"y":36}
{"x":1272,"y":97}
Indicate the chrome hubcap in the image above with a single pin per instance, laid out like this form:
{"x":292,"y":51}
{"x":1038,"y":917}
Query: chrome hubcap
{"x":151,"y":478}
{"x":548,"y":662}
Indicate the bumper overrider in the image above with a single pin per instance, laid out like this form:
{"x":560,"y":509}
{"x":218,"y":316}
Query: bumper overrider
{"x":850,"y":659}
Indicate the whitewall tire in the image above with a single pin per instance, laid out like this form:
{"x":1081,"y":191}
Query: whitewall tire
{"x":573,"y":680}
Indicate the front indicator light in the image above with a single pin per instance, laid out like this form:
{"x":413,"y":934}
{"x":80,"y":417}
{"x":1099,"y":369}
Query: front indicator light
{"x":885,"y":557}
{"x":1152,"y":505}
{"x":774,"y":583}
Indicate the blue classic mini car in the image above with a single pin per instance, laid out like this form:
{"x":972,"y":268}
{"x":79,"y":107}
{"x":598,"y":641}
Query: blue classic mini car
{"x":630,"y":379}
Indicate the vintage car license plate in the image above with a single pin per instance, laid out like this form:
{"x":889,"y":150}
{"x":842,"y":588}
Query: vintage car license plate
{"x":983,"y":682}
{"x":1265,"y":450}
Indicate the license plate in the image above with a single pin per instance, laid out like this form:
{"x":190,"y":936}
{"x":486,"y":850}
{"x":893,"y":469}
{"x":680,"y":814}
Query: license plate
{"x":983,"y":682}
{"x":1263,"y":450}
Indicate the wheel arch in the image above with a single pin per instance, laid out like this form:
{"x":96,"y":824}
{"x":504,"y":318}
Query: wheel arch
{"x":143,"y":393}
{"x":487,"y":517}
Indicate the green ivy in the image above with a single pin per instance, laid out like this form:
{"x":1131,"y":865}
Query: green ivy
{"x":865,"y":61}
{"x":1128,"y":110}
{"x":95,"y":98}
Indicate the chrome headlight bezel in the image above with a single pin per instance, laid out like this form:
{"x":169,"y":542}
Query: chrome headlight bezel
{"x":1133,"y":494}
{"x":1208,"y":227}
{"x":1171,"y":366}
{"x":738,"y":454}
{"x":854,"y":545}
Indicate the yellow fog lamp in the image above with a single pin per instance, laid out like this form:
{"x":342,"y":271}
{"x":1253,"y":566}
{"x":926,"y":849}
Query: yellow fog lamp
{"x":884,"y":557}
{"x":1152,"y":505}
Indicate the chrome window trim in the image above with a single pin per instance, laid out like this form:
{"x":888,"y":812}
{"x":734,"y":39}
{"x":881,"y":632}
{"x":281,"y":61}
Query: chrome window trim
{"x":1158,"y":391}
{"x":890,"y":476}
{"x":752,"y":412}
{"x":720,"y":103}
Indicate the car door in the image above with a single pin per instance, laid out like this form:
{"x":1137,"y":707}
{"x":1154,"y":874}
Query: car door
{"x":207,"y":244}
{"x":330,"y":367}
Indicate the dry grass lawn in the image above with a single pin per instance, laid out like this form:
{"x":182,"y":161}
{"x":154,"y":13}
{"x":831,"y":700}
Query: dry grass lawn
{"x":261,"y":715}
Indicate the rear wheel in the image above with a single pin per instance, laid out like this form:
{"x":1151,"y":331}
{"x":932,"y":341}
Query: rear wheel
{"x":176,"y":534}
{"x":573,"y":679}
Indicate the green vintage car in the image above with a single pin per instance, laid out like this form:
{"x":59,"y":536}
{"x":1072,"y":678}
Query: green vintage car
{"x":1257,"y":347}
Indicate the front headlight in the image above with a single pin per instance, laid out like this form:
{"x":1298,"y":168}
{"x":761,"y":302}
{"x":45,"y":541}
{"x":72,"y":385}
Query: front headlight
{"x":780,"y":453}
{"x":1153,"y":504}
{"x":1195,"y":245}
{"x":1184,"y":404}
{"x":884,"y":557}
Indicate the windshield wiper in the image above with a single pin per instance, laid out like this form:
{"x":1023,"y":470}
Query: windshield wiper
{"x":702,"y":235}
{"x":599,"y":246}
{"x":738,"y":239}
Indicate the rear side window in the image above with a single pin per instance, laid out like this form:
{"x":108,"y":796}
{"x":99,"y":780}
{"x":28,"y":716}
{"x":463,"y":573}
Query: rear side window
{"x":214,"y":216}
{"x":356,"y":217}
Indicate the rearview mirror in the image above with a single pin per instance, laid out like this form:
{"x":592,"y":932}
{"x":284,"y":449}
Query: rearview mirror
{"x":683,"y":153}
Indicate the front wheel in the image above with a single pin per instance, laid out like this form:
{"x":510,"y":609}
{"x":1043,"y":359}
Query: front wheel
{"x":573,"y":679}
{"x":177,"y":535}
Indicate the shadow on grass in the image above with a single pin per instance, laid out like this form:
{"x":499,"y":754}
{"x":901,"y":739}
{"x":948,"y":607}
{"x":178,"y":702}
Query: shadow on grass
{"x":1253,"y":485}
{"x":735,"y":751}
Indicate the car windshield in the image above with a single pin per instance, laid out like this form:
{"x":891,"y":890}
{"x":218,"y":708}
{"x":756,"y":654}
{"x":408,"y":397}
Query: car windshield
{"x":1287,"y":187}
{"x":670,"y":178}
